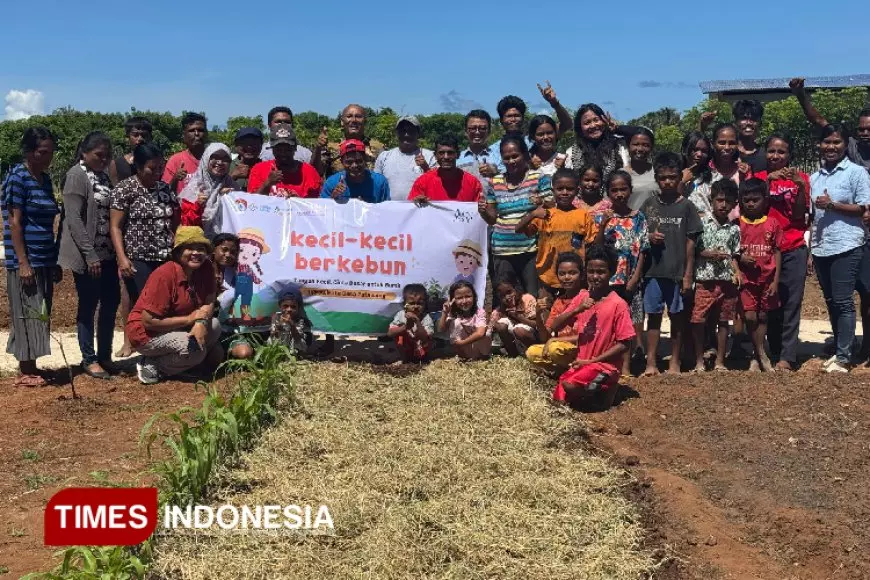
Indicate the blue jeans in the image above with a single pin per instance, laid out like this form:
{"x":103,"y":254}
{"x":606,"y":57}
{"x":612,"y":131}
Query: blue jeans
{"x":104,"y":291}
{"x":837,"y":276}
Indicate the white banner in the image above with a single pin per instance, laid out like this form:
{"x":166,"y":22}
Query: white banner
{"x":351,"y":259}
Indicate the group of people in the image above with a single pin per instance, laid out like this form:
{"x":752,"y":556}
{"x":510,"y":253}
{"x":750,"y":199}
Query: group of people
{"x":585,"y":245}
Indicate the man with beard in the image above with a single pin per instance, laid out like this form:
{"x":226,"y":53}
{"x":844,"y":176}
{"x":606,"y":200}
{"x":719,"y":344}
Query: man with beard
{"x":402,"y":165}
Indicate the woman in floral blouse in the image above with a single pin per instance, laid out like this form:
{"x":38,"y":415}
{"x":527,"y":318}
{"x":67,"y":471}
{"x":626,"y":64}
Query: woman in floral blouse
{"x":144,"y":216}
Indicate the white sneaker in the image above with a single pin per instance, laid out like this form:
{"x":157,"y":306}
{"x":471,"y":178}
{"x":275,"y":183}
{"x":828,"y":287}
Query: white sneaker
{"x":836,"y":367}
{"x":147,"y":373}
{"x":829,"y":362}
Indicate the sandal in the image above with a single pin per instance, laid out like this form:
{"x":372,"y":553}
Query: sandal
{"x":30,"y":381}
{"x":100,"y":374}
{"x":720,"y":368}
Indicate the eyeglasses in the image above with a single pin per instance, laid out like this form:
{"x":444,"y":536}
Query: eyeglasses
{"x":477,"y":129}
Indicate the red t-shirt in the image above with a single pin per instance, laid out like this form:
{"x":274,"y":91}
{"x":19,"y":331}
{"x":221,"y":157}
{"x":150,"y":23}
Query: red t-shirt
{"x":167,"y":293}
{"x":304,"y":182}
{"x":431,"y":185}
{"x":760,"y":239}
{"x":783,"y":193}
{"x":602,"y":326}
{"x":191,"y":164}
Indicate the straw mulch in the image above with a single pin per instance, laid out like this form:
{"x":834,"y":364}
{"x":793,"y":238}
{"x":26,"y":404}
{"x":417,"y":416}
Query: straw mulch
{"x":449,"y":470}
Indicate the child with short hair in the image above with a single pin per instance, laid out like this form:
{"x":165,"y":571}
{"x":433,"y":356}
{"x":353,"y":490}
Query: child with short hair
{"x":604,"y":334}
{"x":514,"y":318}
{"x":556,"y":322}
{"x":760,"y":263}
{"x":465,"y":322}
{"x":563,"y":228}
{"x":290,"y":325}
{"x":412,"y":328}
{"x":716,"y":270}
{"x":625,"y":230}
{"x":673,"y":226}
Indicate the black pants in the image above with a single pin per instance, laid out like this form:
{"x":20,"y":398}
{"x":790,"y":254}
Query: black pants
{"x":104,"y":292}
{"x":521,"y":266}
{"x":784,"y":322}
{"x":137,"y":282}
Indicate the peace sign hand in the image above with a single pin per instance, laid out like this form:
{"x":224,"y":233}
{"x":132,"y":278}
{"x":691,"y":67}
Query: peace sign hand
{"x":548,"y":93}
{"x":323,"y":138}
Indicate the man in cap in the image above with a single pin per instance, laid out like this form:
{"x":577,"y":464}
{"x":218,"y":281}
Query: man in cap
{"x":284,"y":116}
{"x":248,"y":143}
{"x":356,"y":181}
{"x":402,"y":165}
{"x":284,"y":176}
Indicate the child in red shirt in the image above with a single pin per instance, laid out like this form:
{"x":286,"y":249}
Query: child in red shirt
{"x":604,"y":334}
{"x":760,"y":262}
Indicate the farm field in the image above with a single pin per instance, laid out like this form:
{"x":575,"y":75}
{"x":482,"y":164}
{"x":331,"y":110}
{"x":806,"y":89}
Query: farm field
{"x":724,"y":475}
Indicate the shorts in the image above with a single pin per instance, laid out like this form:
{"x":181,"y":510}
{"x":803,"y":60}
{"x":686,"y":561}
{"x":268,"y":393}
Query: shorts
{"x":715,"y":296}
{"x":634,"y":301}
{"x":753,"y":299}
{"x":661,"y":292}
{"x":583,"y":376}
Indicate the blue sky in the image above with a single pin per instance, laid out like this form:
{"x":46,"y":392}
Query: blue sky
{"x":240,"y":58}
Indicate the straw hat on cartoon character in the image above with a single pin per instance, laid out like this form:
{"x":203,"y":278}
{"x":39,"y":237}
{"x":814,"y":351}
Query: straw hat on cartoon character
{"x":252,"y":245}
{"x":468,"y":257}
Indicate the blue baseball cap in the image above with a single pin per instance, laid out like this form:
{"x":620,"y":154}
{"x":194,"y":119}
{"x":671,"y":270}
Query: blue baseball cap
{"x":248,"y":132}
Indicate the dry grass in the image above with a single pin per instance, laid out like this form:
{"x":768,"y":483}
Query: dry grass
{"x":453,"y":471}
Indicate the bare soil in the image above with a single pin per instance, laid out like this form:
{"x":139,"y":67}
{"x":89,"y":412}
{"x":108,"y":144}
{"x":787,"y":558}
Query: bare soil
{"x":749,"y":476}
{"x":49,"y":441}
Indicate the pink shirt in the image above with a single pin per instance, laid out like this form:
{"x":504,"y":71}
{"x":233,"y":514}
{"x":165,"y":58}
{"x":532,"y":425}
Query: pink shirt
{"x":601,"y":327}
{"x":460,"y":328}
{"x":191,"y":164}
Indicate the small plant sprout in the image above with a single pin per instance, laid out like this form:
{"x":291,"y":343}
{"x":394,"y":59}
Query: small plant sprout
{"x":43,"y":316}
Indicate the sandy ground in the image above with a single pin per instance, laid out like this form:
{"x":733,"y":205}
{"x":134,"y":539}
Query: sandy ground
{"x":813,"y":334}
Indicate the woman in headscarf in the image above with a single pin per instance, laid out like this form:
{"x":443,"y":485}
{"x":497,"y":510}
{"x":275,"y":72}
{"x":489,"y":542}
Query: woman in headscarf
{"x":200,"y":198}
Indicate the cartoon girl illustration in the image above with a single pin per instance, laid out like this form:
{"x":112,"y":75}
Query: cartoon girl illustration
{"x":467,"y":256}
{"x":252,"y":245}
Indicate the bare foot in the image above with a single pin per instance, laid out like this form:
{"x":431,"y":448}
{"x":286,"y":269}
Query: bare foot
{"x":673,"y":369}
{"x":766,"y":365}
{"x":753,"y":366}
{"x":720,"y":367}
{"x":699,"y":368}
{"x":124,"y":351}
{"x":784,"y":366}
{"x":650,"y":372}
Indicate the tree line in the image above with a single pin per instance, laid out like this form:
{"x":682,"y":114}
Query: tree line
{"x":668,"y":124}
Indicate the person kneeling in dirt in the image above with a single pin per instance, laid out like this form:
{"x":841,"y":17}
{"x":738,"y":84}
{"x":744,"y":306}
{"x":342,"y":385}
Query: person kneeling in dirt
{"x":604,"y":334}
{"x":412,"y":328}
{"x":172,"y":323}
{"x":560,"y":350}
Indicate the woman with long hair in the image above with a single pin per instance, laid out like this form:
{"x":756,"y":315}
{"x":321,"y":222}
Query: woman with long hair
{"x":597,"y":144}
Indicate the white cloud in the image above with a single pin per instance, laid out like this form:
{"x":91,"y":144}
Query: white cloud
{"x":24,"y":104}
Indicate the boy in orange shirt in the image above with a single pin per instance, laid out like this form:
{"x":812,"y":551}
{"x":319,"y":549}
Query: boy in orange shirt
{"x":563,"y":228}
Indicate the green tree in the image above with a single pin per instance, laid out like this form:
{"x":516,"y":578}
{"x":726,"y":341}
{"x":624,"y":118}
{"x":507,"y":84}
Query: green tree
{"x":653,"y":120}
{"x":669,"y":138}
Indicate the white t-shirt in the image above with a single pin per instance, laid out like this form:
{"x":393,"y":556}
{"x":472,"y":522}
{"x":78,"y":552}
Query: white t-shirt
{"x":401,"y":170}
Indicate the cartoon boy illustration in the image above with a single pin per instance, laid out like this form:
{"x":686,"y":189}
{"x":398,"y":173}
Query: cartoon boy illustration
{"x":467,"y":256}
{"x":252,"y":245}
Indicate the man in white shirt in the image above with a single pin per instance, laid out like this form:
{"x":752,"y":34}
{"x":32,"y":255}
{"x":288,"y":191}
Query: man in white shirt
{"x":402,"y":165}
